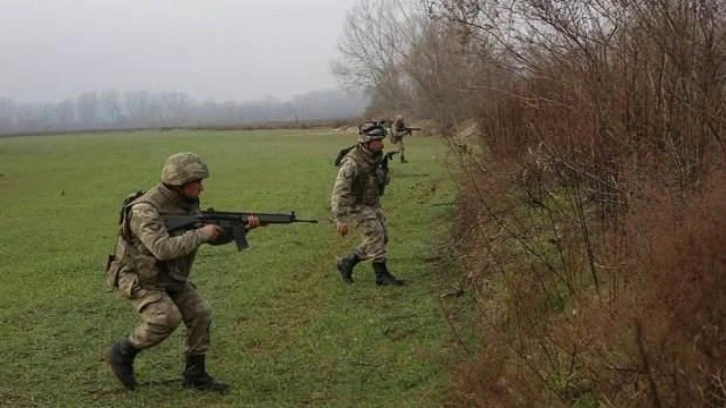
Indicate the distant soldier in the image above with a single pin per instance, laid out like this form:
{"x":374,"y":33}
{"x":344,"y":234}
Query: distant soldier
{"x":398,"y":132}
{"x":151,"y":267}
{"x":356,"y":199}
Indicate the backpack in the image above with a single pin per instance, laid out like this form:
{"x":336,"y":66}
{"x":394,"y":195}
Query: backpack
{"x":113,"y":264}
{"x":124,"y":213}
{"x":341,"y":154}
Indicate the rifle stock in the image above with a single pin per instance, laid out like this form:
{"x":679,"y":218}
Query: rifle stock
{"x":233,"y":224}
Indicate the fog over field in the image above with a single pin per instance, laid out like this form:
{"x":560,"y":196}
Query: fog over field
{"x":101,"y":62}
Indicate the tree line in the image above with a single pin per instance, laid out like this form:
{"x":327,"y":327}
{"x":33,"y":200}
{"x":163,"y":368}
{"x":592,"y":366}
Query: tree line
{"x":144,"y":109}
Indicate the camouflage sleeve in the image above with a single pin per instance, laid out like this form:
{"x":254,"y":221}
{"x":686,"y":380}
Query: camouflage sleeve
{"x":147,"y":226}
{"x":343,"y":198}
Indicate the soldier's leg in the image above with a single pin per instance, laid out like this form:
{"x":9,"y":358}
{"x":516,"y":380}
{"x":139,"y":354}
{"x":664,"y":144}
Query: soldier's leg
{"x":373,"y":228}
{"x":380,"y":266}
{"x":402,"y":149}
{"x":345,"y":267}
{"x":121,"y":359}
{"x":159,"y":318}
{"x":197,"y":316}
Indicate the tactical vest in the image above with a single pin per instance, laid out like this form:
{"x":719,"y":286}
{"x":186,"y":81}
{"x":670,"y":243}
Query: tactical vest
{"x":134,"y":257}
{"x":366,"y":185}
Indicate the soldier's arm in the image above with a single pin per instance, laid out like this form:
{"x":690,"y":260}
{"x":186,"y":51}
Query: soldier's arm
{"x":147,"y":227}
{"x":342,"y":197}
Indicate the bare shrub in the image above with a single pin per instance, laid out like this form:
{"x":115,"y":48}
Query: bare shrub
{"x":592,"y":230}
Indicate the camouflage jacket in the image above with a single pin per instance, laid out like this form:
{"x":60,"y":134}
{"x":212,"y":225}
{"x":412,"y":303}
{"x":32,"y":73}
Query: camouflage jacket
{"x":398,"y":129}
{"x":356,"y":184}
{"x":146,"y":248}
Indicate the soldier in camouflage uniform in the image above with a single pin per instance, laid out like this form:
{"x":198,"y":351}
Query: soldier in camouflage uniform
{"x":398,"y":132}
{"x":356,"y":198}
{"x":150,"y":267}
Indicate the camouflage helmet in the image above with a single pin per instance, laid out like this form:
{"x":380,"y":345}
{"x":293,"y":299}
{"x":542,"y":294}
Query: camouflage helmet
{"x":182,"y":168}
{"x":370,"y":130}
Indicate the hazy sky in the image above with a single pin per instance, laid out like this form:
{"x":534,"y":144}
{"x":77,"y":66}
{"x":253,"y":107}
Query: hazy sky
{"x":223,"y":49}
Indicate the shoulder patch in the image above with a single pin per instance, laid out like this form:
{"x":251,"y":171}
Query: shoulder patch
{"x":143,"y":209}
{"x":348,"y":168}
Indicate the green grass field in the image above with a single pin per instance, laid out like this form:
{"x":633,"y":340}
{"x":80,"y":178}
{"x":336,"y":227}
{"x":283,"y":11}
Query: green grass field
{"x":286,"y":331}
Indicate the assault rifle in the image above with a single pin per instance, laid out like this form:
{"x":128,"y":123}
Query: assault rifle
{"x":406,"y":130}
{"x":343,"y":152}
{"x":382,"y":170}
{"x":387,"y":157}
{"x":233,"y":224}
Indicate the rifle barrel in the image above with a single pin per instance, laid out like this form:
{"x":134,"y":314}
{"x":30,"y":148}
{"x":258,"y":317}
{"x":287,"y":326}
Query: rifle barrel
{"x":308,"y":221}
{"x":264,"y":217}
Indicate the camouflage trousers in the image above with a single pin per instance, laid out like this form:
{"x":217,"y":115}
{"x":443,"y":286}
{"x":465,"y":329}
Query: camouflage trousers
{"x":370,"y":222}
{"x":162,"y":311}
{"x":398,"y":141}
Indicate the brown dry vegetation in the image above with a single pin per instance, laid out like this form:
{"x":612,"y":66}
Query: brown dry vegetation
{"x":599,"y":247}
{"x":592,"y":227}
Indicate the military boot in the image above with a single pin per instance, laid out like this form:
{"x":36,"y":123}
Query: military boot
{"x":383,"y":277}
{"x":121,"y":358}
{"x":195,"y":376}
{"x":403,"y":158}
{"x":345,"y":267}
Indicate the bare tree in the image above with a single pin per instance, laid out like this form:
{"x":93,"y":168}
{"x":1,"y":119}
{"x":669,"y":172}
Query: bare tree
{"x":65,"y":114}
{"x":88,"y":108}
{"x":377,"y":38}
{"x":7,"y":115}
{"x":110,"y":109}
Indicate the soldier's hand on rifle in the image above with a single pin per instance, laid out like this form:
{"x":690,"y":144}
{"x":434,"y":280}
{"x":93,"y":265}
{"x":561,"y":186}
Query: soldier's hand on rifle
{"x":342,"y":228}
{"x":252,"y":222}
{"x":211,"y":232}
